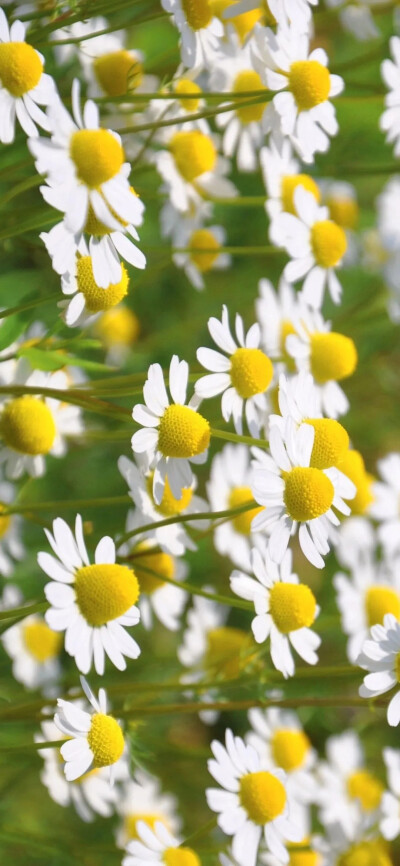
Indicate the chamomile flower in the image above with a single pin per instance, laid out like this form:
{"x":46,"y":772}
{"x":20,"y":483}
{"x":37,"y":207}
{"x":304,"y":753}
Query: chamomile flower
{"x":11,"y":546}
{"x":316,"y":245}
{"x":389,"y":823}
{"x":95,"y":739}
{"x":297,"y":495}
{"x":208,"y":644}
{"x":174,"y":434}
{"x":296,"y":12}
{"x":381,"y":657}
{"x":90,"y":602}
{"x":200,"y":30}
{"x":156,"y":846}
{"x":276,"y":311}
{"x":356,"y":542}
{"x":110,"y":68}
{"x":242,"y":374}
{"x":282,"y":176}
{"x":142,"y":800}
{"x":86,"y":298}
{"x":285,"y":608}
{"x":390,"y":119}
{"x":254,"y":802}
{"x":204,"y":255}
{"x":35,"y":651}
{"x":386,"y":505}
{"x":118,"y":329}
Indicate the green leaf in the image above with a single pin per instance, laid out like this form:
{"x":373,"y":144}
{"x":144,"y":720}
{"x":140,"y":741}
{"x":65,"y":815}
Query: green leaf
{"x":43,"y":360}
{"x":10,"y":330}
{"x":17,"y":284}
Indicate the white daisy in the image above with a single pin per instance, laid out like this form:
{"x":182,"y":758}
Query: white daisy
{"x":86,"y":298}
{"x":188,"y":101}
{"x":208,"y":644}
{"x":143,"y":800}
{"x":296,"y":12}
{"x":255,"y":803}
{"x":285,"y":608}
{"x":242,"y":375}
{"x":390,"y":119}
{"x":109,"y":67}
{"x":118,"y":329}
{"x":389,"y":823}
{"x":282,"y":176}
{"x":356,"y":541}
{"x":200,"y":30}
{"x":381,"y":657}
{"x":386,"y":505}
{"x":174,"y":434}
{"x":157,"y":845}
{"x":90,"y":602}
{"x":204,"y":245}
{"x":35,"y":650}
{"x":276,"y":311}
{"x":11,"y":546}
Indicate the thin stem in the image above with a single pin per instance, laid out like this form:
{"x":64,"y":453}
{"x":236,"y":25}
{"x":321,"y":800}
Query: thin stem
{"x":231,"y":706}
{"x":235,"y":437}
{"x":77,"y":398}
{"x":194,"y":590}
{"x":29,"y":305}
{"x":51,"y":744}
{"x":202,"y":831}
{"x":186,"y":518}
{"x":25,"y":610}
{"x":233,"y":251}
{"x":188,"y":118}
{"x":65,"y":504}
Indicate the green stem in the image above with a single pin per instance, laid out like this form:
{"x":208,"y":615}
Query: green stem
{"x":202,"y":831}
{"x":64,"y":504}
{"x":25,"y":610}
{"x":235,"y":437}
{"x":194,"y":590}
{"x":29,"y":305}
{"x":186,"y":518}
{"x":232,"y":706}
{"x":188,"y":118}
{"x":233,"y":251}
{"x":77,"y":398}
{"x":53,"y":744}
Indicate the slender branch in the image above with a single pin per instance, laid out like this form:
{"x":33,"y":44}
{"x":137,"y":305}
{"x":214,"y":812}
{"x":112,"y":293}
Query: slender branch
{"x":186,"y":518}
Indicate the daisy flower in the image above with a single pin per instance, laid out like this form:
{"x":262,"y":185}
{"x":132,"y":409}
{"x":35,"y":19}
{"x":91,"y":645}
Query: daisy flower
{"x":142,"y":800}
{"x":386,"y":503}
{"x":276,"y":312}
{"x":188,"y":101}
{"x":390,"y":119}
{"x":199,"y":29}
{"x":35,"y":650}
{"x":380,"y":656}
{"x":296,"y":12}
{"x":11,"y":547}
{"x":23,"y":83}
{"x":156,"y":845}
{"x":285,"y":608}
{"x":282,"y":176}
{"x":118,"y":329}
{"x":90,"y":602}
{"x":316,"y":245}
{"x":86,"y":298}
{"x":174,"y":434}
{"x":254,"y":803}
{"x":242,"y":374}
{"x":296,"y":495}
{"x":389,"y":823}
{"x":203,"y":256}
{"x":355,"y":542}
{"x":95,"y":739}
{"x":109,"y":67}
{"x":209,"y":644}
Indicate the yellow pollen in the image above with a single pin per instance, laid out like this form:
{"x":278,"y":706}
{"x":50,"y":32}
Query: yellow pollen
{"x":304,"y":858}
{"x":292,"y":606}
{"x":182,"y":432}
{"x":187,"y":87}
{"x":243,"y":23}
{"x":251,"y":372}
{"x":263,"y":797}
{"x":309,"y":82}
{"x":329,"y":243}
{"x":363,"y":786}
{"x":289,"y":184}
{"x":194,"y":154}
{"x":203,"y":239}
{"x":242,"y":522}
{"x":169,"y":505}
{"x":308,"y":493}
{"x":118,"y":72}
{"x":225,"y":648}
{"x":372,"y":853}
{"x":40,"y":641}
{"x":95,"y":227}
{"x":198,"y":13}
{"x":117,"y":327}
{"x":104,"y":592}
{"x":27,"y":425}
{"x":5,"y":520}
{"x":97,"y":155}
{"x":20,"y":67}
{"x":333,"y":356}
{"x":181,"y":857}
{"x":98,"y":299}
{"x":331,"y":442}
{"x":105,"y":739}
{"x":353,"y":466}
{"x":380,"y":600}
{"x":344,"y":211}
{"x":290,"y":748}
{"x":245,"y":81}
{"x":162,"y":563}
{"x":131,"y":822}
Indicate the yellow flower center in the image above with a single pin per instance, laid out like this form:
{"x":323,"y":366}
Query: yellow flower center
{"x":118,"y":327}
{"x":248,"y":80}
{"x":329,"y":243}
{"x":352,"y":465}
{"x":105,"y":592}
{"x":292,"y":606}
{"x":363,"y":786}
{"x":289,"y":184}
{"x":98,"y":299}
{"x":198,"y":13}
{"x":331,"y":441}
{"x":20,"y":67}
{"x":187,"y":87}
{"x":242,"y":522}
{"x":118,"y":72}
{"x":243,"y":23}
{"x":181,"y":857}
{"x":343,"y":210}
{"x":333,"y":356}
{"x":169,"y":505}
{"x":380,"y":600}
{"x":304,"y":858}
{"x":131,"y":822}
{"x":289,"y":748}
{"x":309,"y":82}
{"x":366,"y":854}
{"x":105,"y":739}
{"x":40,"y":641}
{"x":225,"y":647}
{"x":263,"y":796}
{"x":97,"y":155}
{"x":27,"y":425}
{"x":308,"y":493}
{"x":95,"y":227}
{"x":194,"y":154}
{"x":251,"y":372}
{"x":161,"y":563}
{"x":5,"y":520}
{"x":201,"y":240}
{"x":183,"y":432}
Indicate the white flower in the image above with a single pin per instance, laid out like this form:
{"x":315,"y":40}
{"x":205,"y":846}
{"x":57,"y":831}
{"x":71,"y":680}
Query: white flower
{"x":276,"y":311}
{"x":11,"y":547}
{"x":389,"y":823}
{"x":242,"y":374}
{"x":204,"y":618}
{"x":282,"y":176}
{"x":204,"y":256}
{"x":86,"y":298}
{"x":199,"y":29}
{"x":296,"y":12}
{"x":386,"y":505}
{"x":390,"y":119}
{"x":157,"y":846}
{"x":355,"y":542}
{"x":285,"y":608}
{"x":174,"y":433}
{"x":359,"y":21}
{"x":34,"y":649}
{"x":255,"y":803}
{"x":381,"y":657}
{"x":90,"y":602}
{"x":142,"y":800}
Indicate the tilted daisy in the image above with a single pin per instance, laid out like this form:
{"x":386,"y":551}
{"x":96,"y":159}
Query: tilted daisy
{"x":389,"y":823}
{"x":296,"y":12}
{"x":282,"y":176}
{"x":341,"y":199}
{"x":118,"y":330}
{"x":390,"y":119}
{"x":297,"y":495}
{"x":356,"y":540}
{"x":381,"y":657}
{"x":242,"y":374}
{"x":285,"y":608}
{"x":208,"y":644}
{"x":11,"y":546}
{"x":204,"y":252}
{"x":143,"y":800}
{"x":366,"y":846}
{"x":86,"y":298}
{"x":276,"y":310}
{"x":156,"y":845}
{"x":110,"y":68}
{"x":200,"y":30}
{"x":253,"y":804}
{"x":386,"y":505}
{"x":90,"y":602}
{"x":174,"y":434}
{"x":316,"y":245}
{"x":35,"y":651}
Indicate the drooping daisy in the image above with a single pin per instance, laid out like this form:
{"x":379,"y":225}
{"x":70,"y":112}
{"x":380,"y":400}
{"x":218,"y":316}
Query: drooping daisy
{"x":276,"y":311}
{"x":352,"y":465}
{"x":35,"y":650}
{"x":390,"y":119}
{"x":204,"y":252}
{"x":296,"y":12}
{"x":282,"y":176}
{"x":365,"y":847}
{"x":156,"y":846}
{"x":142,"y":800}
{"x":88,"y":298}
{"x":11,"y":547}
{"x":295,"y":494}
{"x":381,"y":657}
{"x":386,"y":505}
{"x":389,"y":823}
{"x":242,"y":375}
{"x":208,"y":644}
{"x":110,"y":68}
{"x":90,"y":602}
{"x":255,"y":803}
{"x":285,"y":608}
{"x":341,"y":199}
{"x":118,"y":329}
{"x":174,"y":434}
{"x":200,"y":30}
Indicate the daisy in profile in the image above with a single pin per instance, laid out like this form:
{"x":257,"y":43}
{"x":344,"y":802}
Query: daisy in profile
{"x":142,"y":800}
{"x":174,"y":434}
{"x":35,"y":651}
{"x":316,"y":245}
{"x":204,"y":252}
{"x":118,"y":329}
{"x":380,"y":656}
{"x":253,"y":804}
{"x":242,"y":374}
{"x":90,"y":602}
{"x":276,"y":312}
{"x":389,"y":823}
{"x":386,"y":505}
{"x":200,"y":30}
{"x":11,"y":546}
{"x":95,"y":739}
{"x":296,"y":495}
{"x":296,"y":12}
{"x":208,"y":644}
{"x":285,"y":610}
{"x":282,"y":175}
{"x":156,"y":845}
{"x":86,"y":299}
{"x":390,"y":119}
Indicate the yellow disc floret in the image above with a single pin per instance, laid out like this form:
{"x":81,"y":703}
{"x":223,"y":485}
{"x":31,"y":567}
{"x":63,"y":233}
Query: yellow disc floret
{"x":105,"y":739}
{"x":225,"y":648}
{"x":246,"y":81}
{"x":117,"y":327}
{"x":27,"y":426}
{"x":169,"y":505}
{"x":309,"y":82}
{"x":186,"y":87}
{"x":243,"y":23}
{"x":151,"y":819}
{"x":5,"y":520}
{"x":380,"y":600}
{"x":292,"y":606}
{"x":242,"y":522}
{"x":118,"y":72}
{"x":352,"y":465}
{"x":97,"y":300}
{"x":161,"y":563}
{"x":180,"y":857}
{"x":194,"y":154}
{"x":333,"y":356}
{"x":20,"y":67}
{"x":304,"y":858}
{"x":198,"y":13}
{"x":373,"y":853}
{"x":263,"y":796}
{"x":97,"y":154}
{"x":308,"y":493}
{"x":289,"y":184}
{"x":331,"y":441}
{"x":183,"y":432}
{"x":104,"y":592}
{"x":329,"y":243}
{"x":289,"y":748}
{"x":204,"y":249}
{"x":344,"y":210}
{"x":365,"y":788}
{"x":251,"y":372}
{"x":41,"y":642}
